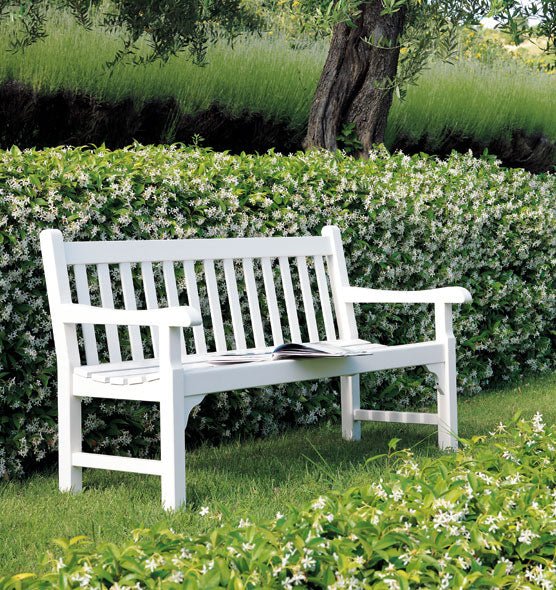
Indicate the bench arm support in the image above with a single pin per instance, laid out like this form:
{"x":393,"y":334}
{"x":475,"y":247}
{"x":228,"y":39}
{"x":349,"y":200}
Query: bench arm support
{"x":183,"y":316}
{"x":442,"y":295}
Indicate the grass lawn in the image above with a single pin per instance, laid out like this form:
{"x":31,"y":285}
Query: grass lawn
{"x":253,"y":479}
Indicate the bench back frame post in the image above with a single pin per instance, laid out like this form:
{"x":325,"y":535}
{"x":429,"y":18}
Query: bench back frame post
{"x":350,"y":397}
{"x":67,"y":359}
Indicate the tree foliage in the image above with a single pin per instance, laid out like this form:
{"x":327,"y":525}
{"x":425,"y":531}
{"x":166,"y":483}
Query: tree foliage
{"x":430,"y":25}
{"x":169,"y":28}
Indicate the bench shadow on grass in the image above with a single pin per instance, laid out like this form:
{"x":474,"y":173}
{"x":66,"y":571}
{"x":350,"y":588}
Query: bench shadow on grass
{"x":318,"y":454}
{"x":316,"y":459}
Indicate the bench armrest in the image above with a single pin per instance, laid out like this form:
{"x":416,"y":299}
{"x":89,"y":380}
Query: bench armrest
{"x":442,"y":295}
{"x":73,"y":313}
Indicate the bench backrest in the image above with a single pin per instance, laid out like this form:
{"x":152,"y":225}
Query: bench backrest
{"x":252,"y":292}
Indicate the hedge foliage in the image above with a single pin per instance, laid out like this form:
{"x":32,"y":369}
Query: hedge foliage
{"x":407,"y":223}
{"x":482,"y":518}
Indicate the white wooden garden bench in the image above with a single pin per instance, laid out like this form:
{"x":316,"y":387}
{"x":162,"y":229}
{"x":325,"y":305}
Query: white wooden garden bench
{"x":244,"y":279}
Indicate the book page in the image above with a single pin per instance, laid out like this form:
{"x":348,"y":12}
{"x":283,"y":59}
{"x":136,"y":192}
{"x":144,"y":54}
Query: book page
{"x":294,"y":350}
{"x":336,"y":348}
{"x":239,"y":356}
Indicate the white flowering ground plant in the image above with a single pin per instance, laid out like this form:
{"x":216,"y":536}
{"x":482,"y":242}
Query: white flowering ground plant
{"x":484,"y":517}
{"x":407,"y":222}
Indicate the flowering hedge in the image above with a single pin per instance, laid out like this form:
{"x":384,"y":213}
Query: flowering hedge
{"x":407,"y":223}
{"x":482,"y":518}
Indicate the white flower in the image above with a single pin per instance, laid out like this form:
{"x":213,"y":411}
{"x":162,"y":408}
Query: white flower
{"x":445,"y":580}
{"x":204,"y":511}
{"x":396,"y":494}
{"x":509,"y":565}
{"x":207,"y":567}
{"x":538,"y":424}
{"x":319,"y":504}
{"x":513,"y":479}
{"x":527,"y":536}
{"x":308,"y":562}
{"x":509,"y":456}
{"x":83,"y":580}
{"x":462,"y":563}
{"x":176,"y":577}
{"x":392,"y":584}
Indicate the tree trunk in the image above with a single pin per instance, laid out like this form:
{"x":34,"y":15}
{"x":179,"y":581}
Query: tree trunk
{"x":355,"y":85}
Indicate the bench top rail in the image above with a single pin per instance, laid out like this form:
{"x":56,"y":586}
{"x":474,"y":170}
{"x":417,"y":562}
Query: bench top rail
{"x":115,"y":252}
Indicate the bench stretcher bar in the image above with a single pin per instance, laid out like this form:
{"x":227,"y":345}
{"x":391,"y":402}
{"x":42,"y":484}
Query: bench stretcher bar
{"x":405,"y":417}
{"x":115,"y":463}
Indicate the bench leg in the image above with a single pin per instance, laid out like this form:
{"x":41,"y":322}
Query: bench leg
{"x":447,"y":404}
{"x":69,"y":434}
{"x":172,"y":433}
{"x":172,"y":419}
{"x":446,"y":379}
{"x":350,"y":398}
{"x":172,"y":450}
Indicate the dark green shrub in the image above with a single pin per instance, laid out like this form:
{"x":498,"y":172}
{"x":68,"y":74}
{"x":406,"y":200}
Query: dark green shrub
{"x":408,"y":223}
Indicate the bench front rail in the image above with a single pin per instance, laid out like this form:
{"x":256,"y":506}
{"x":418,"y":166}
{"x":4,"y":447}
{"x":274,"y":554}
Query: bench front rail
{"x":137,"y":320}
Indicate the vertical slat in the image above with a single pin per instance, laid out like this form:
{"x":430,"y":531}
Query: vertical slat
{"x":150,"y":298}
{"x":214,"y":303}
{"x":83,"y":297}
{"x":130,"y":302}
{"x":193,"y":300}
{"x":272,"y":302}
{"x":253,"y":299}
{"x":172,"y":294}
{"x":325,"y":299}
{"x":235,"y":308}
{"x":289,"y":296}
{"x":308,"y":303}
{"x":107,"y":299}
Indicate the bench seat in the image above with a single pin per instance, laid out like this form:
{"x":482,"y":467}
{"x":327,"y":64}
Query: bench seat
{"x":201,"y":377}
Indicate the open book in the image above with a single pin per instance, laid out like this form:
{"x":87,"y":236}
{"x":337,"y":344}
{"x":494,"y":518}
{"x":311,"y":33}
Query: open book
{"x":293,"y":350}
